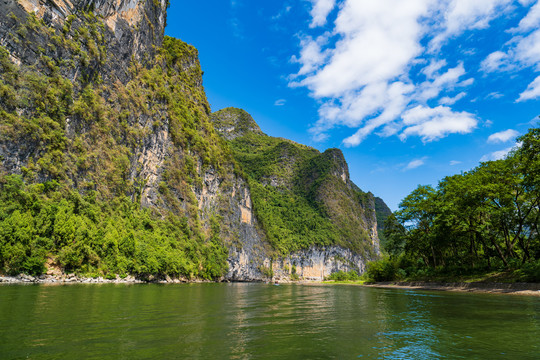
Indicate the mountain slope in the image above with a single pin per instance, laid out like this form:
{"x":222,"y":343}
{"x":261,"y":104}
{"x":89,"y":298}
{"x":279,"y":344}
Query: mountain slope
{"x":110,"y":162}
{"x":302,"y":197}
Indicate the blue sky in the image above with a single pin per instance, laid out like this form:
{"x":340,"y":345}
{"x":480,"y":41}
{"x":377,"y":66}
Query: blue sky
{"x":411,"y":91}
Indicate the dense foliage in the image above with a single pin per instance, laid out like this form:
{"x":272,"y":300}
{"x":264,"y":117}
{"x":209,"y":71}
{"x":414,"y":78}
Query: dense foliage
{"x":102,"y":160}
{"x":290,"y":221}
{"x":297,"y":196}
{"x":42,"y":223}
{"x":483,"y":220}
{"x":344,"y":276}
{"x":78,"y":142}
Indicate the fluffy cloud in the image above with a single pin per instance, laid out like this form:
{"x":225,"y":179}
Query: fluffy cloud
{"x":527,"y":50}
{"x":494,"y":62}
{"x":500,"y":154}
{"x":452,"y":100}
{"x":532,"y":19}
{"x":372,"y":73}
{"x":434,"y":123}
{"x":532,"y":91}
{"x":503,"y":136}
{"x":462,"y":15}
{"x":522,"y":51}
{"x":383,"y":67}
{"x":280,"y":102}
{"x":320,"y":11}
{"x":496,"y":155}
{"x":378,"y":41}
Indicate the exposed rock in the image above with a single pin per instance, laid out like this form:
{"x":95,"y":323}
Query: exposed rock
{"x":317,"y":263}
{"x":134,"y":30}
{"x":124,"y":33}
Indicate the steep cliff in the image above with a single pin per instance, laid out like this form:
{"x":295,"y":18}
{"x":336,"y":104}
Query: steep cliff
{"x":303,"y":199}
{"x":110,"y":163}
{"x":104,"y":124}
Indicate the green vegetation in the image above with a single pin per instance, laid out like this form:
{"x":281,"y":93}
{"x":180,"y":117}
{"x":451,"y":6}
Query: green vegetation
{"x":343,"y":276}
{"x":87,"y":143}
{"x":42,"y":222}
{"x":77,"y":201}
{"x":298,"y":195}
{"x":382,"y":212}
{"x":482,"y":221}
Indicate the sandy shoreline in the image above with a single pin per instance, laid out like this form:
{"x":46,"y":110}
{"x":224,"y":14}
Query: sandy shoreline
{"x":530,"y":289}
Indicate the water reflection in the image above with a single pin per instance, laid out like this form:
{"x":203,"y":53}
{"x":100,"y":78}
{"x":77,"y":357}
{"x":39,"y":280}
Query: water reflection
{"x":258,"y":321}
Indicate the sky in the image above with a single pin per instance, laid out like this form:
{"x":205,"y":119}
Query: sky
{"x":410,"y":91}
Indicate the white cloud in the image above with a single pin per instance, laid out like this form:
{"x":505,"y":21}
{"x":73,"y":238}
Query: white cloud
{"x":320,"y":11}
{"x":496,"y":155}
{"x":494,"y":95}
{"x":433,"y":67}
{"x":532,"y":91}
{"x":494,"y":62}
{"x":280,"y":102}
{"x":446,"y":81}
{"x":500,"y":154}
{"x":462,"y":15}
{"x":383,"y":67}
{"x":527,"y":50}
{"x":452,"y":100}
{"x":311,"y":56}
{"x":522,"y":51}
{"x":378,"y":40}
{"x":503,"y":136}
{"x":415,"y":164}
{"x":434,"y":123}
{"x":532,"y":20}
{"x":454,"y":162}
{"x":359,"y":71}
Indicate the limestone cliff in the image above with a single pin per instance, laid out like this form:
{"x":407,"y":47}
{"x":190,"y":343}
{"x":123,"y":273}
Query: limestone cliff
{"x":103,"y":120}
{"x":126,"y":29}
{"x":316,"y":219}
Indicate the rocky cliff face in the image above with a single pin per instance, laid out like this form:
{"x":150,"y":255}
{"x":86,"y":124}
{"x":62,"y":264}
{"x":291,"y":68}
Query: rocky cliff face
{"x":343,"y":225}
{"x":126,"y":29}
{"x":95,"y":99}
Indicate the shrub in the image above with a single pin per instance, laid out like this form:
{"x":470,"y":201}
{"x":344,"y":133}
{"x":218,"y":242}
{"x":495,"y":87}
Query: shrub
{"x":384,"y":269}
{"x":530,"y":272}
{"x":344,"y":276}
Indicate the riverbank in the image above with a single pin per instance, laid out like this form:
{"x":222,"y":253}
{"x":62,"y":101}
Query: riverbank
{"x":476,"y":287}
{"x":74,"y":279}
{"x":530,"y":289}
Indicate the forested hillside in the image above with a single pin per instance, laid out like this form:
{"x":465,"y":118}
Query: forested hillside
{"x":302,"y":197}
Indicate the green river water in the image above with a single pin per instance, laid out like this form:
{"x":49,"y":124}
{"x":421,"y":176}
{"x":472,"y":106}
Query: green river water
{"x":258,"y":321}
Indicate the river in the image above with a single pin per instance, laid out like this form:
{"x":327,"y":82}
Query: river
{"x":259,"y":321}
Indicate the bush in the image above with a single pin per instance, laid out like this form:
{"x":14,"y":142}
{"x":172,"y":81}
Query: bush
{"x":530,"y":272}
{"x":385,"y":269}
{"x":344,"y":276}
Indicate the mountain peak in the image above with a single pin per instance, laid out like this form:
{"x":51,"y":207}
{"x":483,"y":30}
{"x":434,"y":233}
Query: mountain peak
{"x":232,"y":123}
